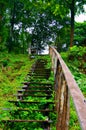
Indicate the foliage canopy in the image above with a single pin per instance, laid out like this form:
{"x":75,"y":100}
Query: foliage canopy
{"x":36,"y":23}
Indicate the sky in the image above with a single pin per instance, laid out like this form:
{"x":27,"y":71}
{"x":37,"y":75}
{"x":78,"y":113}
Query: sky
{"x":80,"y":18}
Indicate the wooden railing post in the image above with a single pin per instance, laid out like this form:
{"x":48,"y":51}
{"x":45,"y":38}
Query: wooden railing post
{"x":62,"y":101}
{"x":65,"y":86}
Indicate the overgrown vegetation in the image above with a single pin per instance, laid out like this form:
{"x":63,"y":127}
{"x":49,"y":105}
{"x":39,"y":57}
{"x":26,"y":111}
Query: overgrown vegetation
{"x":75,"y":58}
{"x":13,"y":69}
{"x":10,"y":111}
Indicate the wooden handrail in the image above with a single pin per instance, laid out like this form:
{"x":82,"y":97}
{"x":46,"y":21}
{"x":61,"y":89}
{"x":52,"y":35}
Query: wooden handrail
{"x":65,"y":85}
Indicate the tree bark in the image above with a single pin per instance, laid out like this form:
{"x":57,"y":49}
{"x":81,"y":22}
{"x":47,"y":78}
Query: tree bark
{"x":0,"y":26}
{"x":72,"y":8}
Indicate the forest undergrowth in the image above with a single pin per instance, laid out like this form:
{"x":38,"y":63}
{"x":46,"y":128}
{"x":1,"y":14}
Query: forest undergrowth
{"x":75,"y":58}
{"x":13,"y":69}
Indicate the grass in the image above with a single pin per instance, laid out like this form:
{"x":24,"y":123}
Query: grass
{"x":18,"y":68}
{"x":13,"y":69}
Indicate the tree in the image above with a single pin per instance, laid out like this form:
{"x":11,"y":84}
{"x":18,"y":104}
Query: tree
{"x":3,"y":30}
{"x":72,"y":9}
{"x":53,"y":21}
{"x":74,"y":6}
{"x":49,"y":19}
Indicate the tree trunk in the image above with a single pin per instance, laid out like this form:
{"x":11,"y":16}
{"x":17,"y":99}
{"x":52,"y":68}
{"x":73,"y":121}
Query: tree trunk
{"x":11,"y":35}
{"x":0,"y":27}
{"x":72,"y":22}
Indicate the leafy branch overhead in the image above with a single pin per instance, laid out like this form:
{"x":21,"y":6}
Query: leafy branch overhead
{"x":37,"y":23}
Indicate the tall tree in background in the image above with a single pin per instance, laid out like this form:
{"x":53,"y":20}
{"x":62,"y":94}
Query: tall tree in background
{"x":60,"y":21}
{"x":72,"y":10}
{"x":75,"y":6}
{"x":15,"y":15}
{"x":67,"y":7}
{"x":3,"y":30}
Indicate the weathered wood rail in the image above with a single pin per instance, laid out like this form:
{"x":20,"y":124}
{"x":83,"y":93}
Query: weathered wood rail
{"x":66,"y":86}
